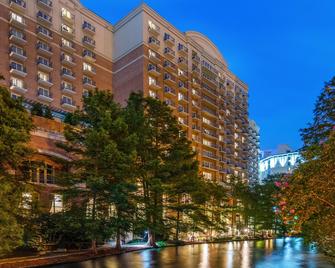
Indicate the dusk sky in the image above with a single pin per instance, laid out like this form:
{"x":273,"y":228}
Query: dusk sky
{"x":284,"y":50}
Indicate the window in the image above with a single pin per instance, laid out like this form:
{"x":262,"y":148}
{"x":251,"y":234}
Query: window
{"x":44,"y":92}
{"x":17,"y":66}
{"x":43,"y":76}
{"x":67,"y":100}
{"x":16,"y":82}
{"x":67,"y":85}
{"x":15,"y":96}
{"x":152,"y":81}
{"x":66,"y":13}
{"x":42,"y":173}
{"x":66,"y":43}
{"x":207,"y":175}
{"x":153,"y":26}
{"x":17,"y":17}
{"x":44,"y":31}
{"x":152,"y":54}
{"x":57,"y":204}
{"x":67,"y":57}
{"x":17,"y":50}
{"x":152,"y":94}
{"x":88,"y":67}
{"x":88,"y":26}
{"x":67,"y":29}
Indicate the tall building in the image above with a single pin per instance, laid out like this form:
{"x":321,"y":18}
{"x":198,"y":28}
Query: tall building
{"x":187,"y":72}
{"x":53,"y":51}
{"x":253,"y":151}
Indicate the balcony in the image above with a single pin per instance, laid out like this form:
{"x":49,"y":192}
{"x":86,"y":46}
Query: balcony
{"x":44,"y":65}
{"x":171,"y":80}
{"x":169,"y":40}
{"x":195,"y":71}
{"x":196,"y":58}
{"x":89,"y":71}
{"x":18,"y":88}
{"x":44,"y":34}
{"x":182,"y":74}
{"x":17,"y":37}
{"x":44,"y":18}
{"x":89,"y":83}
{"x":68,"y":60}
{"x":67,"y":74}
{"x":19,"y":23}
{"x":89,"y":42}
{"x":45,"y":4}
{"x":44,"y":49}
{"x":196,"y":128}
{"x":68,"y":104}
{"x":17,"y":54}
{"x":196,"y":116}
{"x":182,"y":62}
{"x":69,"y":18}
{"x":209,"y":155}
{"x":154,"y":70}
{"x":69,"y":47}
{"x":44,"y":96}
{"x":182,"y":109}
{"x":169,"y":53}
{"x":169,"y":90}
{"x":18,"y":5}
{"x":154,"y":29}
{"x":68,"y":89}
{"x":44,"y":82}
{"x":183,"y":50}
{"x":18,"y":70}
{"x":153,"y":42}
{"x":89,"y":56}
{"x":88,"y":28}
{"x":182,"y":86}
{"x":182,"y":98}
{"x":169,"y":66}
{"x":196,"y":94}
{"x":154,"y":85}
{"x":67,"y":32}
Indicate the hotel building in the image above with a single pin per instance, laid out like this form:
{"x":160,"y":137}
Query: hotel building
{"x":53,"y":51}
{"x":253,"y":151}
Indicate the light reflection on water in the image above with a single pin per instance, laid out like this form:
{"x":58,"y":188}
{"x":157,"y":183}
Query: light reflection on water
{"x":279,"y":253}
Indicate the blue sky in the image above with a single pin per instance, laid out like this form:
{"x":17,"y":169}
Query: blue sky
{"x":284,"y":50}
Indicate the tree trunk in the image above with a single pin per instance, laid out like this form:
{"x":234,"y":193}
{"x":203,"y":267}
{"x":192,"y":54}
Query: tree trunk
{"x":94,"y":241}
{"x":94,"y":247}
{"x":178,"y":219}
{"x":118,"y":240}
{"x":151,"y":239}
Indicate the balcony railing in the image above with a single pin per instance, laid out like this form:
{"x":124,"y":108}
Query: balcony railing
{"x":44,"y":33}
{"x":89,"y":55}
{"x":44,"y":65}
{"x":44,"y":49}
{"x":44,"y":18}
{"x":46,"y":4}
{"x":169,"y":39}
{"x":18,"y":69}
{"x":89,"y":28}
{"x":17,"y":53}
{"x":89,"y":41}
{"x":18,"y":5}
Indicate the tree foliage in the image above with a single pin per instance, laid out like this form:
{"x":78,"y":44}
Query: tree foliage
{"x":311,"y":189}
{"x":15,"y":127}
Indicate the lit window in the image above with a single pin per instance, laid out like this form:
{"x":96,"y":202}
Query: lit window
{"x":66,"y":13}
{"x":152,"y":81}
{"x":17,"y":17}
{"x":207,"y":175}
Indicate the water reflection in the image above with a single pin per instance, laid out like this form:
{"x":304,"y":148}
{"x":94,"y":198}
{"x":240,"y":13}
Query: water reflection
{"x":288,"y":253}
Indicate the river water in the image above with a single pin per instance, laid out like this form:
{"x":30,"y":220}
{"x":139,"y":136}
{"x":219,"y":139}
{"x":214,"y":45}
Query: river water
{"x":281,"y":253}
